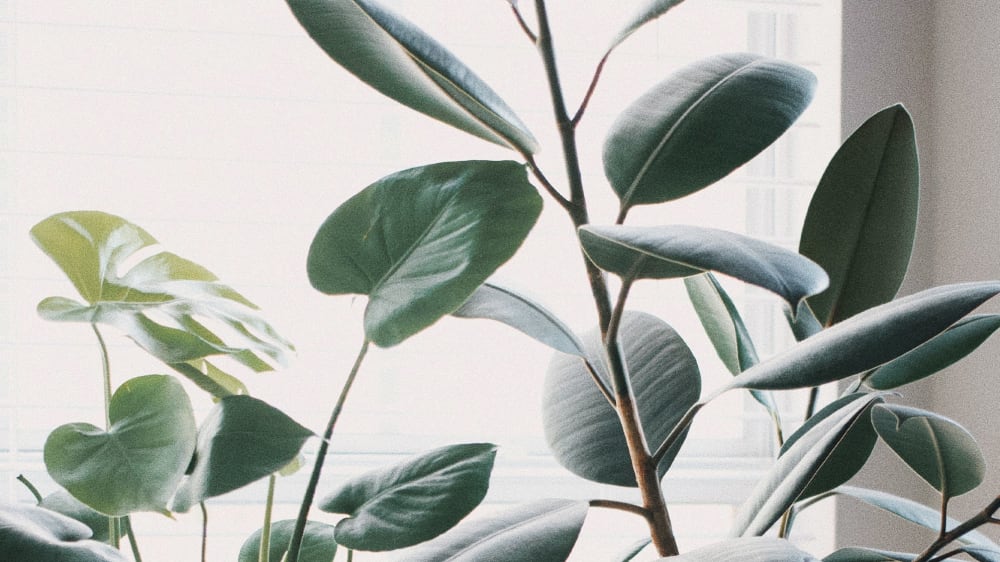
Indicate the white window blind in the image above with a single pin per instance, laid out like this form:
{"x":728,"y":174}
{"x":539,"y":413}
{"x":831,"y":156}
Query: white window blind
{"x":226,"y":133}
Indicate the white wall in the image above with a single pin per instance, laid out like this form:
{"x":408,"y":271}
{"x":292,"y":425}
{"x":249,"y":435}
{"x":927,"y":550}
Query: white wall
{"x":940,"y":59}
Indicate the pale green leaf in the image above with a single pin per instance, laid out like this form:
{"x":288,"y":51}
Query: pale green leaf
{"x":318,"y":543}
{"x":748,"y":549}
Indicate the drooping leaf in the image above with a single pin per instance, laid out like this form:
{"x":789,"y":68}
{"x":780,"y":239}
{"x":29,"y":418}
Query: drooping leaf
{"x":92,"y":249}
{"x":645,"y":14}
{"x":747,"y":549}
{"x":32,"y":533}
{"x":795,"y":468}
{"x":582,"y":428}
{"x":137,"y":464}
{"x":541,"y":531}
{"x":661,"y":252}
{"x":700,"y":124}
{"x":64,"y":503}
{"x":944,"y":350}
{"x":413,"y":501}
{"x":863,"y":215}
{"x":868,"y":339}
{"x":420,"y":241}
{"x":940,"y":450}
{"x":318,"y":543}
{"x":242,"y":440}
{"x":401,"y":61}
{"x":521,"y":313}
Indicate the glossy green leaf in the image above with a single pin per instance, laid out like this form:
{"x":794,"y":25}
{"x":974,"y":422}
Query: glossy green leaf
{"x":242,"y":440}
{"x":523,"y":314}
{"x":32,"y":533}
{"x":858,"y":554}
{"x":700,"y":124}
{"x":583,"y":430}
{"x":420,"y":241}
{"x":863,"y":215}
{"x":946,"y":349}
{"x":941,"y":451}
{"x":137,"y":464}
{"x":748,"y":549}
{"x":413,"y":501}
{"x":163,"y":302}
{"x":661,"y":252}
{"x":402,"y":62}
{"x":645,"y":14}
{"x":868,"y":339}
{"x":541,"y":531}
{"x":795,"y":468}
{"x":318,"y":543}
{"x":64,"y":503}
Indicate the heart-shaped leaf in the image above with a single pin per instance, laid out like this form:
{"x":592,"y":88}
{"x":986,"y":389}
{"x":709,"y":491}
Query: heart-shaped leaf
{"x":944,"y":350}
{"x":399,"y":60}
{"x":138,"y":462}
{"x":645,"y":14}
{"x":795,"y":468}
{"x":32,"y":533}
{"x":941,"y":451}
{"x":543,"y":531}
{"x":662,"y":252}
{"x":92,"y":249}
{"x":318,"y":543}
{"x":868,"y":339}
{"x":748,"y":549}
{"x":420,"y":241}
{"x":64,"y":503}
{"x":582,"y":428}
{"x":863,"y":216}
{"x":521,"y":313}
{"x":700,"y":124}
{"x":242,"y":440}
{"x":413,"y":501}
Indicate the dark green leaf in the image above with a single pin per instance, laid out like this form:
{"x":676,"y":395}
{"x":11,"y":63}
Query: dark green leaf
{"x":748,"y":549}
{"x":946,"y":349}
{"x":63,"y":503}
{"x":413,"y":501}
{"x":420,"y":241}
{"x":541,"y":531}
{"x":661,"y":252}
{"x":582,"y":428}
{"x":646,"y":13}
{"x":863,"y":215}
{"x":32,"y":533}
{"x":137,"y":464}
{"x":399,"y":60}
{"x":941,"y":451}
{"x":521,"y":313}
{"x":242,"y":440}
{"x":868,"y":339}
{"x":700,"y":124}
{"x":318,"y":544}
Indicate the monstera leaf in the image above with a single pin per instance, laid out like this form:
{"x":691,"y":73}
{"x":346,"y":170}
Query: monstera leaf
{"x":33,"y":533}
{"x":164,"y":302}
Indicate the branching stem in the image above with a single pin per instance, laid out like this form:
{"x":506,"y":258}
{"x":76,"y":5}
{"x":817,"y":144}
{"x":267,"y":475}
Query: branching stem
{"x":621,"y":506}
{"x":987,"y":515}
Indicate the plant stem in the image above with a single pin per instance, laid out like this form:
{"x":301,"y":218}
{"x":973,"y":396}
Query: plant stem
{"x":127,"y":523}
{"x":295,"y":544}
{"x":944,"y":538}
{"x":114,"y":533}
{"x":621,"y":506}
{"x":204,"y":532}
{"x":31,"y":487}
{"x":265,"y":531}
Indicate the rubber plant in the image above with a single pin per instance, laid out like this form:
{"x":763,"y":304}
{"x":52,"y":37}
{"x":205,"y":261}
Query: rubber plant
{"x":618,"y":401}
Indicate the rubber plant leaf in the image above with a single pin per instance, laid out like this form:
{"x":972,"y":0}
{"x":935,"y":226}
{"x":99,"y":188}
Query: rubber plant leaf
{"x":318,"y":543}
{"x":242,"y":440}
{"x":137,"y":464}
{"x":862,"y":218}
{"x":868,"y":339}
{"x":663,"y":252}
{"x":401,"y":61}
{"x":413,"y":501}
{"x":747,"y":549}
{"x":505,"y":305}
{"x":583,"y":430}
{"x":543,"y":530}
{"x":163,"y":302}
{"x":419,"y":242}
{"x":64,"y":503}
{"x":859,"y":554}
{"x":792,"y":472}
{"x":34,"y":533}
{"x":700,"y":124}
{"x":646,"y":13}
{"x":946,"y":349}
{"x":938,"y":449}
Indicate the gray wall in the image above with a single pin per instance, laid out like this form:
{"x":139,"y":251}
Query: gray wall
{"x":941,"y":58}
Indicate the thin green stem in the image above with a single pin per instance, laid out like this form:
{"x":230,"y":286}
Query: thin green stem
{"x":31,"y":487}
{"x":677,"y":431}
{"x":295,"y":544}
{"x":204,"y":532}
{"x":524,"y":25}
{"x":546,"y":184}
{"x":114,"y":532}
{"x":265,"y":531}
{"x":621,"y":506}
{"x":127,"y":524}
{"x":590,"y":89}
{"x":601,"y":385}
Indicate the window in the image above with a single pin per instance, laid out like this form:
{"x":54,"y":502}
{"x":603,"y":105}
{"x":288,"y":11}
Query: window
{"x":227,"y":134}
